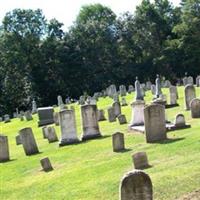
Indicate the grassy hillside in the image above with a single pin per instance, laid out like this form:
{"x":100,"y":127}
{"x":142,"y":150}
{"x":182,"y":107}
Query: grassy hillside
{"x":91,"y":171}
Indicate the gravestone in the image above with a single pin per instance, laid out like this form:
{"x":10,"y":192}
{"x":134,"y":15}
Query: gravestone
{"x":158,"y":87}
{"x":140,"y":160}
{"x":81,"y":100}
{"x":123,"y":103}
{"x":189,"y":95}
{"x":111,"y":114}
{"x":45,"y":115}
{"x":180,"y":121}
{"x":111,"y":90}
{"x":136,"y":185}
{"x":28,"y":141}
{"x":7,"y":118}
{"x":28,"y":115}
{"x":4,"y":149}
{"x":116,"y":97}
{"x":153,"y":89}
{"x":60,"y":102}
{"x":117,"y":108}
{"x":195,"y":108}
{"x":68,"y":129}
{"x":122,"y":119}
{"x":198,"y":81}
{"x":130,"y":89}
{"x":89,"y":122}
{"x":56,"y":118}
{"x":34,"y":107}
{"x":18,"y":140}
{"x":173,"y":95}
{"x":138,"y":93}
{"x":137,"y":117}
{"x":142,"y":89}
{"x":46,"y":164}
{"x":154,"y":122}
{"x":51,"y":134}
{"x":118,"y":142}
{"x":44,"y":132}
{"x":167,"y":84}
{"x":122,"y":90}
{"x":190,"y":80}
{"x":101,"y":115}
{"x":148,"y":85}
{"x":185,"y":79}
{"x":21,"y":116}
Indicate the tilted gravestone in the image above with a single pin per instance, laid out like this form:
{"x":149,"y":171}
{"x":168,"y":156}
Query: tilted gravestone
{"x":111,"y":114}
{"x":122,"y":119}
{"x":195,"y":108}
{"x":45,"y":115}
{"x":118,"y":142}
{"x":154,"y":122}
{"x":117,"y":108}
{"x":89,"y":122}
{"x":136,"y":185}
{"x":51,"y":134}
{"x":28,"y":141}
{"x":46,"y":164}
{"x":140,"y":160}
{"x":101,"y":115}
{"x":4,"y":149}
{"x":189,"y":95}
{"x":67,"y":121}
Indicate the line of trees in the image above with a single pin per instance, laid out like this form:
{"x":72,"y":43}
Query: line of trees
{"x":39,"y":60}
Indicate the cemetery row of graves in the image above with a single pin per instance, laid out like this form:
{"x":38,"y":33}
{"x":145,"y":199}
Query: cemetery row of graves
{"x":128,"y":120}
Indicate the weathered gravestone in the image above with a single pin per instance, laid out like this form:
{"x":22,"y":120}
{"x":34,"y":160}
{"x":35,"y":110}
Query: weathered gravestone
{"x":44,"y":132}
{"x":45,"y":116}
{"x":195,"y":108}
{"x":153,"y":89}
{"x":138,"y":92}
{"x":51,"y":134}
{"x":130,"y":89}
{"x":28,"y":141}
{"x":101,"y":115}
{"x":158,"y":87}
{"x":117,"y":108}
{"x":140,"y":160}
{"x":173,"y":95}
{"x":122,"y":119}
{"x":148,"y":85}
{"x":137,"y":117}
{"x":180,"y":122}
{"x":190,"y":80}
{"x":28,"y":115}
{"x":89,"y":122}
{"x":123,"y":102}
{"x":111,"y":114}
{"x":122,"y":90}
{"x":18,"y":140}
{"x":198,"y":81}
{"x":60,"y":102}
{"x":116,"y":97}
{"x":185,"y":79}
{"x":189,"y":95}
{"x":136,"y":185}
{"x":68,"y":129}
{"x":111,"y":90}
{"x":118,"y":142}
{"x":4,"y":149}
{"x":34,"y":107}
{"x":46,"y":164}
{"x":7,"y":118}
{"x":154,"y":122}
{"x":56,"y":118}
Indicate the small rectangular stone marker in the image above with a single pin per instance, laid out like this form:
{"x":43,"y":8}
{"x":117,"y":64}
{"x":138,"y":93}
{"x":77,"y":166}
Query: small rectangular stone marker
{"x":51,"y":134}
{"x":44,"y":132}
{"x":118,"y":142}
{"x":45,"y":115}
{"x":4,"y":149}
{"x":117,"y":108}
{"x":28,"y":141}
{"x":46,"y":164}
{"x":18,"y":140}
{"x":122,"y":119}
{"x":140,"y":160}
{"x":111,"y":115}
{"x":101,"y":115}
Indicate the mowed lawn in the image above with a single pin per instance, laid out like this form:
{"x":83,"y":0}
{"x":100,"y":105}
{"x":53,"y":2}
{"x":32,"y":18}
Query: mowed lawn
{"x":91,"y":171}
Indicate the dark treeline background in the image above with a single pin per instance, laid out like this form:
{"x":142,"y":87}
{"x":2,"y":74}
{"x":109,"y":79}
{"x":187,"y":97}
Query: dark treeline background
{"x":39,"y":60}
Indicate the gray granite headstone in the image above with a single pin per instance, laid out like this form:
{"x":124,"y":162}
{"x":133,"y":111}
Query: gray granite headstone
{"x":195,"y":108}
{"x":118,"y":142}
{"x":189,"y":95}
{"x":4,"y":149}
{"x":45,"y":115}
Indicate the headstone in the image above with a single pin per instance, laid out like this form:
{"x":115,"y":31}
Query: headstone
{"x":60,"y":102}
{"x":21,"y":116}
{"x":140,"y":160}
{"x":122,"y":90}
{"x":45,"y":115}
{"x":28,"y":141}
{"x":44,"y":132}
{"x":18,"y":140}
{"x":130,"y":89}
{"x":167,"y":84}
{"x":136,"y":185}
{"x":116,"y":97}
{"x":7,"y":118}
{"x":148,"y":85}
{"x":180,"y":120}
{"x":122,"y":119}
{"x":195,"y":108}
{"x":4,"y":149}
{"x":51,"y":134}
{"x":34,"y":107}
{"x":111,"y":114}
{"x":118,"y":142}
{"x":138,"y":93}
{"x":198,"y":81}
{"x":101,"y":115}
{"x":189,"y":95}
{"x":111,"y":90}
{"x":173,"y":95}
{"x":123,"y":102}
{"x":68,"y":129}
{"x":82,"y":100}
{"x":56,"y":118}
{"x":28,"y":115}
{"x":190,"y":80}
{"x":89,"y":122}
{"x":154,"y":122}
{"x":185,"y":79}
{"x":137,"y":113}
{"x":46,"y":164}
{"x":158,"y":87}
{"x":153,"y":89}
{"x":117,"y":108}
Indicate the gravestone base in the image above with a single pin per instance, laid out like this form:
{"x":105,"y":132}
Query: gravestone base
{"x":64,"y":142}
{"x":173,"y":127}
{"x":92,"y":136}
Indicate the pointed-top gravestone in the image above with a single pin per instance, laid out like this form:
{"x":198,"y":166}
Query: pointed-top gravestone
{"x":158,"y":87}
{"x":138,"y":93}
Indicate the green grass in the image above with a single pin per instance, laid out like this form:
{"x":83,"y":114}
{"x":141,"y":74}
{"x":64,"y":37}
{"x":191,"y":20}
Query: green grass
{"x":90,"y":170}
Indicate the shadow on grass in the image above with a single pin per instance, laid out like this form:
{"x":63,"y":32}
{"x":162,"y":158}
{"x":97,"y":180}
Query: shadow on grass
{"x":170,"y":140}
{"x":123,"y":151}
{"x":146,"y":167}
{"x":34,"y":154}
{"x":7,"y":161}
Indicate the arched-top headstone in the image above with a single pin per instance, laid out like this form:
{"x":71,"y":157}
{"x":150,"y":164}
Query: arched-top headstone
{"x":195,"y":108}
{"x":136,"y":185}
{"x":179,"y":120}
{"x":189,"y":95}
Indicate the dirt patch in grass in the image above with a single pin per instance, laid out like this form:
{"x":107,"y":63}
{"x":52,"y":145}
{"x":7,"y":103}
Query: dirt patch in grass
{"x":191,"y":196}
